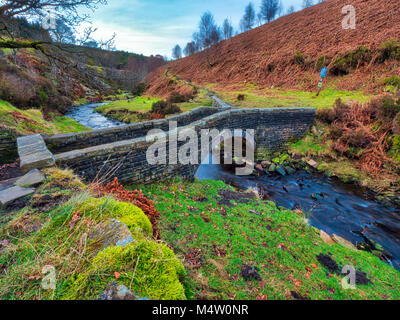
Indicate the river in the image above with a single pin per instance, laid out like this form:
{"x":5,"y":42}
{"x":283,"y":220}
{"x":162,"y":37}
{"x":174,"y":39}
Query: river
{"x":329,"y":205}
{"x":87,"y":116}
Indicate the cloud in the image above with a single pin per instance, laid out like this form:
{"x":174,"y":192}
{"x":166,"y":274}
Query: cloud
{"x":156,"y":26}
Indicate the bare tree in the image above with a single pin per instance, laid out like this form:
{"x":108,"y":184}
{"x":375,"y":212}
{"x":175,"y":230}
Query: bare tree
{"x":281,"y":9}
{"x":190,"y":49}
{"x":249,"y":18}
{"x":177,"y":52}
{"x":291,"y":10}
{"x":307,"y":3}
{"x":63,"y":33}
{"x":269,"y":9}
{"x":67,"y":11}
{"x":227,"y":29}
{"x":209,"y":33}
{"x":64,"y":9}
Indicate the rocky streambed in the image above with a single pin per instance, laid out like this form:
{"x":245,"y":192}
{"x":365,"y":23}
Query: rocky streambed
{"x":339,"y":209}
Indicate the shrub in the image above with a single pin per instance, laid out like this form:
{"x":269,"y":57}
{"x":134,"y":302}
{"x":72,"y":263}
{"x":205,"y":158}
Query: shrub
{"x":320,"y":62}
{"x":389,"y":50}
{"x":176,"y":97}
{"x":396,"y":125}
{"x":299,"y":58}
{"x":332,"y":114}
{"x":388,"y":108}
{"x":165,"y":108}
{"x":352,"y":60}
{"x":392,"y":81}
{"x":139,"y":89}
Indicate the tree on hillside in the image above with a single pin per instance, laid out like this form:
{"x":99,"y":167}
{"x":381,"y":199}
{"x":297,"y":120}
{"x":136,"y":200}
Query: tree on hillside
{"x":44,"y":11}
{"x":291,"y":9}
{"x":227,"y":29}
{"x":260,"y":19}
{"x":249,"y":18}
{"x":281,"y":9}
{"x":209,"y":33}
{"x":177,"y":52}
{"x":62,"y":33}
{"x":190,"y":49}
{"x":269,"y":9}
{"x":307,"y":3}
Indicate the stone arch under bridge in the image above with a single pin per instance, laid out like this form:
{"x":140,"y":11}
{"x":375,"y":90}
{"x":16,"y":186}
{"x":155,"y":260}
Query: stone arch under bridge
{"x":121,"y":151}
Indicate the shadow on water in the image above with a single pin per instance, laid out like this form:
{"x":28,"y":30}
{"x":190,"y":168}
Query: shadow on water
{"x":87,"y":116}
{"x":329,"y":205}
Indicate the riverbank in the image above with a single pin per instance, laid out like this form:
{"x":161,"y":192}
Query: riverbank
{"x":259,"y":252}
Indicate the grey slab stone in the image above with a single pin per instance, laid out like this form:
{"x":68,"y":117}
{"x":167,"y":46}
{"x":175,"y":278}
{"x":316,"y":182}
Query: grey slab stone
{"x":32,"y":178}
{"x":33,"y":153}
{"x":9,"y":195}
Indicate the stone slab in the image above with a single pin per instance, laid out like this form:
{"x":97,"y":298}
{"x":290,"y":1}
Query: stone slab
{"x":32,"y":178}
{"x":9,"y":195}
{"x":33,"y":153}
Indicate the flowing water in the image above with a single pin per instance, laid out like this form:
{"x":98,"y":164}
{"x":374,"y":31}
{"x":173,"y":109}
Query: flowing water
{"x":329,"y":205}
{"x":87,"y":116}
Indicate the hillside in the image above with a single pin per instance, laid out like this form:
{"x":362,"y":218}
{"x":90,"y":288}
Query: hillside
{"x":54,"y":79}
{"x":290,"y":51}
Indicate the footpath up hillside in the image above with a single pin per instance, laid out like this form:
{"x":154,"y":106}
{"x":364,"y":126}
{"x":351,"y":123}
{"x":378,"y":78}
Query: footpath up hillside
{"x":290,"y":51}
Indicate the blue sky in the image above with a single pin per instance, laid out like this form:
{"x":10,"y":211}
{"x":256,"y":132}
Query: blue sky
{"x":155,"y":26}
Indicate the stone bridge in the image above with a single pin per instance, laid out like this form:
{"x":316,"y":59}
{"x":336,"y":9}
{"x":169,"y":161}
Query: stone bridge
{"x":121,"y":151}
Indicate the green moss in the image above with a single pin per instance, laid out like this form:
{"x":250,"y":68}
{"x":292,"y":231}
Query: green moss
{"x":63,"y":240}
{"x":149,"y":269}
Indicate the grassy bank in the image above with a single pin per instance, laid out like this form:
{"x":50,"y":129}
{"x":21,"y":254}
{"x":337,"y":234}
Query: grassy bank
{"x":32,"y":121}
{"x":66,"y":226}
{"x":140,"y":108}
{"x":218,"y":232}
{"x":253,"y":97}
{"x":216,"y":243}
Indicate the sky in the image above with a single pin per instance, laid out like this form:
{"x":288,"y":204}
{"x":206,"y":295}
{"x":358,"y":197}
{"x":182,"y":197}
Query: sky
{"x":153,"y":27}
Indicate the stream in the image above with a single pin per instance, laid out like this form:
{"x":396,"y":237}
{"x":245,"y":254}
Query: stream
{"x":87,"y":116}
{"x":329,"y":204}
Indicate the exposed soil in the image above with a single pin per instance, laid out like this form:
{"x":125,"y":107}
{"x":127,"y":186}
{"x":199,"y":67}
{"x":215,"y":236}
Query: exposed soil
{"x":250,"y":273}
{"x":230,"y":197}
{"x":361,"y":278}
{"x":10,"y":171}
{"x":265,"y":55}
{"x":328,"y":263}
{"x":298,"y":296}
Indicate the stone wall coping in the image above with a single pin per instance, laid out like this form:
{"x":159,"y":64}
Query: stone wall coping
{"x":115,"y":130}
{"x":33,"y":153}
{"x":142,"y":141}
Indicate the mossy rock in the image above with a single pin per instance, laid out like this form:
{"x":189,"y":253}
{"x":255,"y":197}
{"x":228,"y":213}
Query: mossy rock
{"x":149,"y":269}
{"x":126,"y":213}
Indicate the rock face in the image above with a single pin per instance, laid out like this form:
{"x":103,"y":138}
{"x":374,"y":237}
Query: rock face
{"x":313,"y":164}
{"x":9,"y":195}
{"x":33,"y":153}
{"x":116,"y":291}
{"x":326,"y":237}
{"x":343,"y":242}
{"x":109,"y":234}
{"x":32,"y":178}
